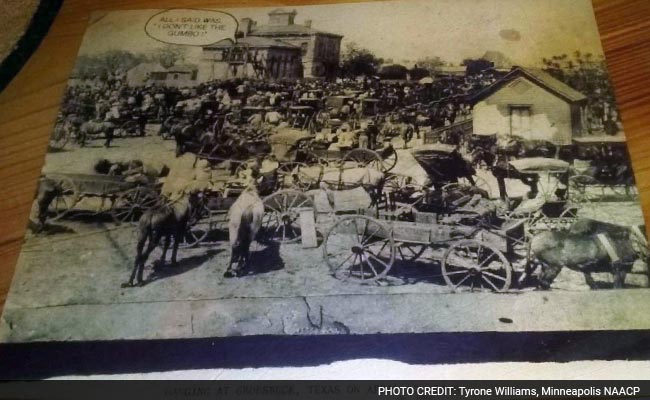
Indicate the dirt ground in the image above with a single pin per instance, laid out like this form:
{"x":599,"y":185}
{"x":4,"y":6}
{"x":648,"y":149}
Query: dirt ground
{"x":80,"y":263}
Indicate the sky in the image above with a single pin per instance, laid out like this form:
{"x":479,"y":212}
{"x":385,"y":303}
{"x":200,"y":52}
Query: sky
{"x":523,"y":30}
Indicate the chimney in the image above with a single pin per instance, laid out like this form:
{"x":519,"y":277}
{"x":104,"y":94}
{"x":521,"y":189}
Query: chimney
{"x":308,"y":23}
{"x":245,"y":26}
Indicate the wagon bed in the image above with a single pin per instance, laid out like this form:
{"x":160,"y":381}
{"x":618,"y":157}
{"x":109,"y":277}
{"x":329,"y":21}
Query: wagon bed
{"x":127,"y":199}
{"x":362,"y":249}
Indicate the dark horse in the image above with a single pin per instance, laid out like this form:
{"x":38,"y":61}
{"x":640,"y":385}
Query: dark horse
{"x":48,"y":190}
{"x":519,"y":148}
{"x":503,"y":169}
{"x":588,"y":246}
{"x":168,"y":221}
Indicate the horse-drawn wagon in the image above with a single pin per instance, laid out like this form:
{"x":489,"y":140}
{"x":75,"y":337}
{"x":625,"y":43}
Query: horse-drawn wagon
{"x":602,"y":168}
{"x":61,"y":193}
{"x":363,"y":249}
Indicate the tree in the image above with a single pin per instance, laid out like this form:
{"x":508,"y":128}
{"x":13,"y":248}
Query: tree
{"x":102,"y":65}
{"x":393,"y":71}
{"x":168,"y":55}
{"x":356,"y":61}
{"x":416,"y":73}
{"x":476,"y":66}
{"x":431,"y":64}
{"x":589,"y":76}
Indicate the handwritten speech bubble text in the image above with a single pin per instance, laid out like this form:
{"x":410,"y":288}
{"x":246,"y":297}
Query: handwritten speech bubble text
{"x":191,"y":26}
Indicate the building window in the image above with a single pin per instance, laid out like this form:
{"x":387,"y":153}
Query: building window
{"x":303,"y":48}
{"x":519,"y":120}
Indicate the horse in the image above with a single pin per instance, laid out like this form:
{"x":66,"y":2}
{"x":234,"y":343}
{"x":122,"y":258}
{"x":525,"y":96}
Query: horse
{"x":503,"y":169}
{"x":245,"y":220}
{"x":48,"y":190}
{"x":341,"y":178}
{"x":519,"y":147}
{"x":90,"y":129}
{"x":168,"y":221}
{"x":588,"y":246}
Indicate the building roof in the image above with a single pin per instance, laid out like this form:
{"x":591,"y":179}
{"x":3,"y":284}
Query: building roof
{"x":148,"y":67}
{"x":538,"y":77}
{"x":287,"y":30}
{"x":182,"y":68}
{"x":282,"y":11}
{"x":253,"y":41}
{"x":445,"y":69}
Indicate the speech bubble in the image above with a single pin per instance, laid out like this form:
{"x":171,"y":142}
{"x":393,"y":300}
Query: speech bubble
{"x":191,"y":27}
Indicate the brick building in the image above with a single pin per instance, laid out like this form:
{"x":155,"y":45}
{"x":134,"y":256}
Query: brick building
{"x":280,"y":49}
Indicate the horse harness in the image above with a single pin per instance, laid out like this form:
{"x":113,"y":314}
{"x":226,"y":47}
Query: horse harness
{"x":605,"y":241}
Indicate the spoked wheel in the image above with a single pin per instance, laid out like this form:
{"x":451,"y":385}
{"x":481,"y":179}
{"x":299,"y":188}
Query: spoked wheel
{"x":365,"y":158}
{"x":281,"y":221}
{"x":130,"y":205}
{"x":464,"y":182}
{"x":404,"y":197}
{"x":470,"y":265}
{"x":388,"y":157}
{"x":59,"y":137}
{"x":129,"y":128}
{"x":535,"y":223}
{"x":410,"y":251}
{"x":584,"y":189}
{"x":294,"y":175}
{"x":199,"y":226}
{"x":359,"y":249}
{"x":66,"y":197}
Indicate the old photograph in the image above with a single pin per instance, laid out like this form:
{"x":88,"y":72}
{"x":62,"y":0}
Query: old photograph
{"x":387,"y":167}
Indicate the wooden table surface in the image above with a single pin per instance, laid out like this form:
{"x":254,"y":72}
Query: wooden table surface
{"x":29,"y":105}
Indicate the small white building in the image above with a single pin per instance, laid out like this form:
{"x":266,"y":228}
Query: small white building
{"x":530,"y":104}
{"x":143,"y":72}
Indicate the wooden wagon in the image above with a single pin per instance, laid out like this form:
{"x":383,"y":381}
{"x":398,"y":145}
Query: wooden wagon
{"x":126,"y":200}
{"x":362,"y":249}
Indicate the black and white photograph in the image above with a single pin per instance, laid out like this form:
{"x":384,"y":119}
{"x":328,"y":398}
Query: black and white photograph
{"x":362,"y":168}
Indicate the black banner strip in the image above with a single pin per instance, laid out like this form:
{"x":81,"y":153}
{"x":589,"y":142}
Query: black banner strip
{"x":449,"y":390}
{"x":42,"y":360}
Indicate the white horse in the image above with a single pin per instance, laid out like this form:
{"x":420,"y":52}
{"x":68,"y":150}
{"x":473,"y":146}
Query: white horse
{"x":342,"y":178}
{"x":244,"y":222}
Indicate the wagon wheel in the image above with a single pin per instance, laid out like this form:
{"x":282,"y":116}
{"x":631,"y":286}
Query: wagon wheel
{"x":401,"y":207}
{"x":129,"y":128}
{"x":535,"y":223}
{"x":582,"y":188}
{"x":389,"y":158}
{"x":470,"y":265}
{"x":292,"y":172}
{"x":410,"y":251}
{"x":199,"y":226}
{"x":59,"y":137}
{"x":365,"y":158}
{"x":67,"y":196}
{"x":281,"y":221}
{"x":359,"y":249}
{"x":130,"y":205}
{"x":478,"y":182}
